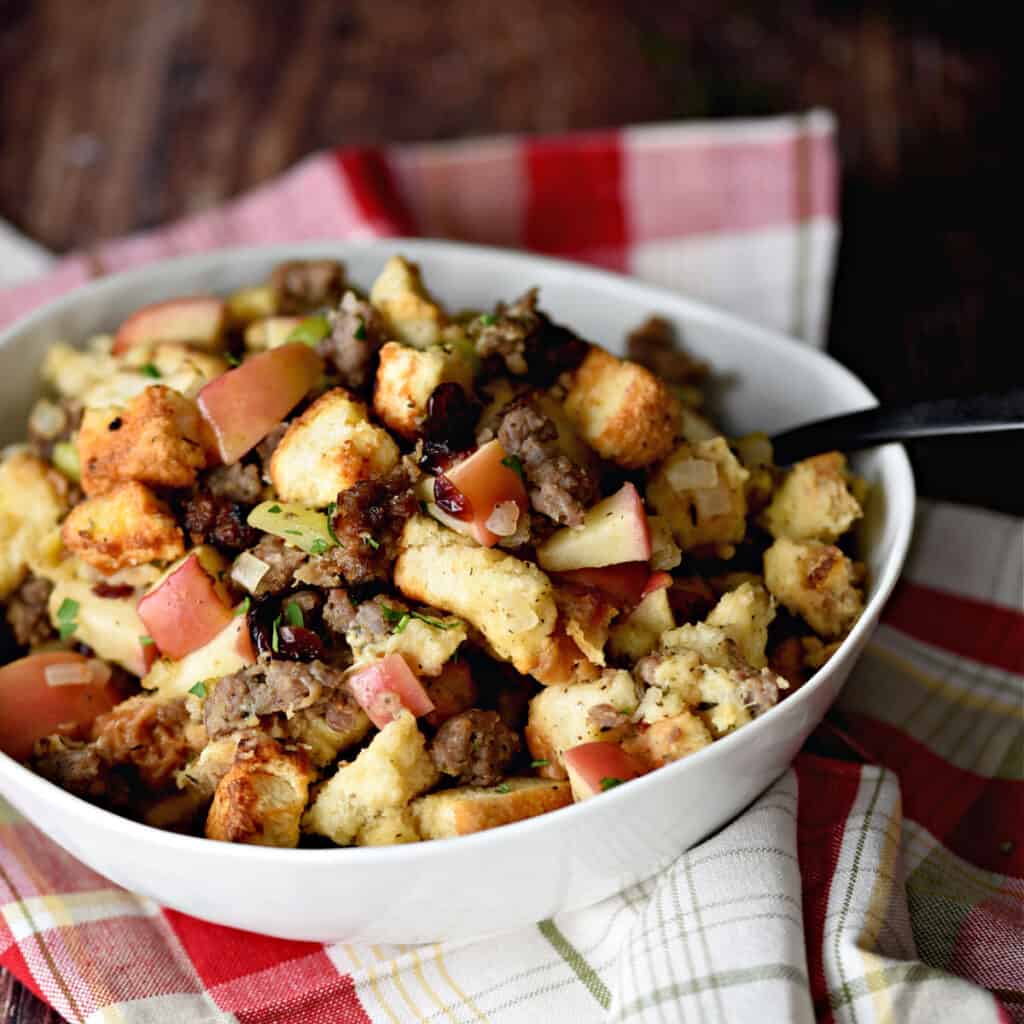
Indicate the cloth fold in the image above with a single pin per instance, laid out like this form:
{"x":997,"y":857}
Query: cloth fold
{"x":879,"y":879}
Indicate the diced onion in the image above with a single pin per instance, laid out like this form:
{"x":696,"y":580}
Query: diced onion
{"x":74,"y":673}
{"x":248,"y":571}
{"x":47,"y":419}
{"x":504,"y":518}
{"x":713,"y":502}
{"x":692,"y":475}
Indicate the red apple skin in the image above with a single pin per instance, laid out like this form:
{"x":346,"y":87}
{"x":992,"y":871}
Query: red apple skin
{"x":624,"y":583}
{"x":197,"y":319}
{"x":589,"y":763}
{"x":486,"y":482}
{"x":30,"y":708}
{"x":656,"y":582}
{"x":392,"y":676}
{"x":243,"y":405}
{"x":185,"y":612}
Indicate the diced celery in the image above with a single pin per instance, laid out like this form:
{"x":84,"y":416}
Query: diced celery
{"x":302,"y":527}
{"x":65,"y":458}
{"x":310,"y":331}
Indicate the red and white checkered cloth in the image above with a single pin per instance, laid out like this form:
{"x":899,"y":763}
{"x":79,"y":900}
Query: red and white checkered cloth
{"x":879,"y":880}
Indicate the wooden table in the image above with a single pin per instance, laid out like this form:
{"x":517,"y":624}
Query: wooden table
{"x":117,"y":115}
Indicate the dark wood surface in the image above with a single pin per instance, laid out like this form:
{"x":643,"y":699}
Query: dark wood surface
{"x":119,"y":114}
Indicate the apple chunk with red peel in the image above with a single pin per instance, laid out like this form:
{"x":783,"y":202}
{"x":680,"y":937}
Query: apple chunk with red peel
{"x":624,"y":583}
{"x":387,"y":686}
{"x":486,"y":481}
{"x":185,"y":611}
{"x":243,"y":405}
{"x":597,"y":767}
{"x":614,"y":531}
{"x":198,"y":320}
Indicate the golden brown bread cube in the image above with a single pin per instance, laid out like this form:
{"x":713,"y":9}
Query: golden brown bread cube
{"x":815,"y":581}
{"x":668,"y":739}
{"x":407,"y":377}
{"x":408,"y":309}
{"x":699,"y":489}
{"x":125,"y":526}
{"x":156,"y":440}
{"x":330,"y":447}
{"x":745,"y":613}
{"x":622,"y":410}
{"x":814,"y":501}
{"x":466,"y":809}
{"x":261,"y":798}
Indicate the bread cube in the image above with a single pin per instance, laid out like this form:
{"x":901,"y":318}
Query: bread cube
{"x":745,"y":614}
{"x":156,"y":441}
{"x":815,"y":581}
{"x":466,"y":809}
{"x":407,"y":377}
{"x":814,"y":501}
{"x":639,"y":632}
{"x":668,"y":739}
{"x":622,"y":410}
{"x":383,"y":778}
{"x":330,"y":447}
{"x":261,"y":798}
{"x":125,"y":526}
{"x":699,"y":489}
{"x":408,"y":309}
{"x":309,"y":728}
{"x":425,"y":648}
{"x":560,"y":718}
{"x":31,"y":503}
{"x":509,"y":601}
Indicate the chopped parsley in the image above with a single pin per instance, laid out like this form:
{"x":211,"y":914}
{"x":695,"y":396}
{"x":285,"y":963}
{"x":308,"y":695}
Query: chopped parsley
{"x":146,"y":641}
{"x":294,"y":533}
{"x":330,"y":513}
{"x":275,"y":640}
{"x":402,"y":623}
{"x":370,"y":541}
{"x":310,"y":331}
{"x":293,"y":614}
{"x":66,"y":629}
{"x":150,"y":371}
{"x":398,"y":619}
{"x":513,"y":463}
{"x":232,"y":359}
{"x":274,"y":509}
{"x":360,"y":331}
{"x":318,"y":547}
{"x":66,"y":618}
{"x":503,"y":788}
{"x":199,"y":690}
{"x":610,"y":782}
{"x":243,"y":608}
{"x":541,"y":762}
{"x":488,"y":319}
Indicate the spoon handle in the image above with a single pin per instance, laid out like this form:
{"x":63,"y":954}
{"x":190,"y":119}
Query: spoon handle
{"x":940,"y":417}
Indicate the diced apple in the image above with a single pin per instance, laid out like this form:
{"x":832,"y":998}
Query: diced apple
{"x":624,"y":584}
{"x":657,"y":581}
{"x":486,"y":479}
{"x":185,"y":611}
{"x":597,"y":767}
{"x":199,"y":320}
{"x":614,"y":531}
{"x":298,"y":525}
{"x":640,"y":631}
{"x":271,"y":332}
{"x":387,"y":686}
{"x":243,"y":405}
{"x":31,"y":707}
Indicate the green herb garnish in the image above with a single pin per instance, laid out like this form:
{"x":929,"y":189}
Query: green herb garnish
{"x":503,"y":788}
{"x":150,"y":371}
{"x":318,"y":547}
{"x":610,"y":782}
{"x":199,"y":690}
{"x":274,"y":509}
{"x":370,"y":541}
{"x":146,"y":641}
{"x":400,"y":619}
{"x":488,"y":319}
{"x":243,"y":608}
{"x":541,"y":762}
{"x":513,"y":463}
{"x":360,"y":331}
{"x":330,"y":513}
{"x":310,"y":331}
{"x":68,"y":610}
{"x":232,"y":359}
{"x":293,"y":613}
{"x":66,"y":629}
{"x":275,"y":640}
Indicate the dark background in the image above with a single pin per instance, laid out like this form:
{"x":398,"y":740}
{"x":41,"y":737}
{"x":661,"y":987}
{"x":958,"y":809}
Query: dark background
{"x":116,"y":115}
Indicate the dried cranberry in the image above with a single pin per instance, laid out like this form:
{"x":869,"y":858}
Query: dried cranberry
{"x":551,"y":350}
{"x":296,"y":643}
{"x":260,"y":618}
{"x":102,"y":589}
{"x":451,"y":500}
{"x":451,"y":417}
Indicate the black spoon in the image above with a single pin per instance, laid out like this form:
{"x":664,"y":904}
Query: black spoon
{"x":940,"y":417}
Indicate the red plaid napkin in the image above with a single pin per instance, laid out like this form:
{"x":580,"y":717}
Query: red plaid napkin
{"x":881,"y":882}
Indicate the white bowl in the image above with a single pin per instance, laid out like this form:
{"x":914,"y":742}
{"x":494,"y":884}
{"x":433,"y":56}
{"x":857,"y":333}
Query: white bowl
{"x":508,"y":877}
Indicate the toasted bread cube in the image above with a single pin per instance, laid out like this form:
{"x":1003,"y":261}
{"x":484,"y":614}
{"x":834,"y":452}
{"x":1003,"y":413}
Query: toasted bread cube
{"x":510,"y":601}
{"x":816,"y":581}
{"x":390,"y":828}
{"x":466,"y":809}
{"x":622,"y":410}
{"x":408,"y":309}
{"x":385,"y":776}
{"x":745,"y":614}
{"x":407,"y":377}
{"x":261,"y":798}
{"x":126,"y":526}
{"x":425,"y":648}
{"x":639,"y":632}
{"x":330,"y":447}
{"x":699,"y":489}
{"x":814,"y":501}
{"x":31,"y":503}
{"x":668,"y":739}
{"x":310,"y":728}
{"x":156,"y":441}
{"x":559,"y":716}
{"x":203,"y":775}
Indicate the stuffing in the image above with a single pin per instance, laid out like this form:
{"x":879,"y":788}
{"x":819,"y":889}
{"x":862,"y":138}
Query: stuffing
{"x":330,"y":447}
{"x":405,"y":304}
{"x":509,"y":601}
{"x":668,"y":739}
{"x":126,"y":526}
{"x":426,"y":648}
{"x":639,"y":632}
{"x":458,"y":812}
{"x":73,"y":372}
{"x":31,"y":503}
{"x":261,"y":798}
{"x":622,"y":410}
{"x":155,"y":440}
{"x":814,"y":501}
{"x":744,"y":614}
{"x":181,"y":368}
{"x":758,"y":458}
{"x":202,"y":775}
{"x":585,"y":615}
{"x":665,"y":553}
{"x":407,"y":377}
{"x":561,"y":716}
{"x":383,"y":778}
{"x":699,"y":489}
{"x":815,"y":581}
{"x":220,"y":657}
